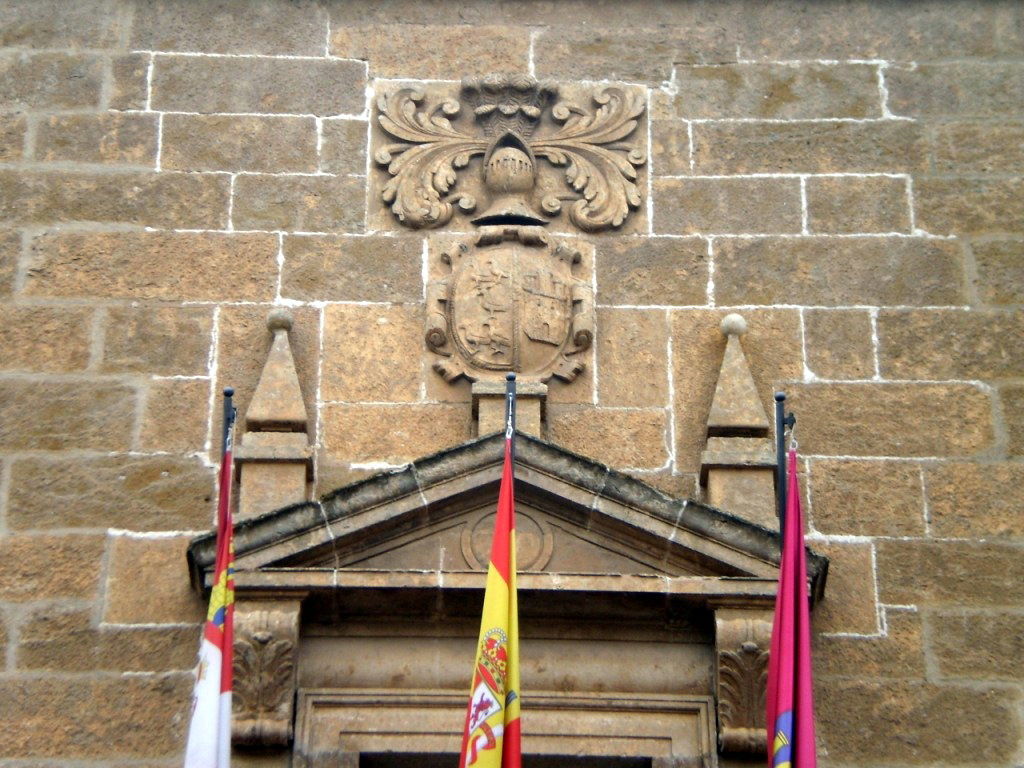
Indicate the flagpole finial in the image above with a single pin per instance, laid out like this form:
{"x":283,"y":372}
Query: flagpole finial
{"x":780,"y":397}
{"x":229,"y":391}
{"x":510,"y":376}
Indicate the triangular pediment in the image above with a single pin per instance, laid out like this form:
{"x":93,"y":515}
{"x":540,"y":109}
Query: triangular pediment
{"x":575,"y":517}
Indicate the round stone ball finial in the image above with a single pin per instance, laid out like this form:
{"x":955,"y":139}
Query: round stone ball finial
{"x":733,"y":324}
{"x":279,"y":319}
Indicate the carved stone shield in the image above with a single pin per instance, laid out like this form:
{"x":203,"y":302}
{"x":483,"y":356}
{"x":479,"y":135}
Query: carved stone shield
{"x":510,"y":303}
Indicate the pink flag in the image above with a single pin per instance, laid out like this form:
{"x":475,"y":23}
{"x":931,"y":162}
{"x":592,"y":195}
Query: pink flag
{"x":790,"y":699}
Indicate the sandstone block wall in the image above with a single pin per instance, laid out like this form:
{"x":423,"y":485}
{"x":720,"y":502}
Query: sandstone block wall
{"x":848,"y":176}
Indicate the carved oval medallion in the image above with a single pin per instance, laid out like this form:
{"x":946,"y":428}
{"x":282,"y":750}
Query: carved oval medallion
{"x":534,"y":541}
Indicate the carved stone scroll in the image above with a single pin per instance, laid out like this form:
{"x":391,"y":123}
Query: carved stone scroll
{"x":742,"y":642}
{"x":589,"y":137}
{"x":266,"y":636}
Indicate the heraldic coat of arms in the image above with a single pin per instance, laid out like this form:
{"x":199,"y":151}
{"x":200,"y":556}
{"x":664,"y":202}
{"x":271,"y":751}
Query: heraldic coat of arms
{"x":511,"y":298}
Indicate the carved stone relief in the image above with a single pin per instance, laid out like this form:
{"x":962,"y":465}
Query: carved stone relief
{"x":475,"y":151}
{"x":266,"y":635}
{"x":742,"y":642}
{"x":509,"y":299}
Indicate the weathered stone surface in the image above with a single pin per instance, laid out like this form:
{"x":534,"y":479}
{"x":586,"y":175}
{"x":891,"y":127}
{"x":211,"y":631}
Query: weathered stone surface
{"x":839,"y":344}
{"x":136,"y":340}
{"x":82,"y":717}
{"x":809,"y":147}
{"x":67,"y":641}
{"x":12,"y":137}
{"x":850,"y":204}
{"x":962,"y":89}
{"x":153,"y":265}
{"x":159,"y":563}
{"x":652,"y":270}
{"x":129,"y":492}
{"x":1012,"y":398}
{"x":63,"y":415}
{"x":233,"y":143}
{"x":850,"y":606}
{"x":792,"y":30}
{"x":628,"y":438}
{"x":235,"y":26}
{"x":778,"y":91}
{"x":343,"y":146}
{"x":371,"y":360}
{"x":748,"y":493}
{"x":635,"y":55}
{"x":975,"y":500}
{"x":867,"y":498}
{"x":999,"y":265}
{"x":772,"y":348}
{"x":632,"y":357}
{"x":918,"y":419}
{"x":266,"y":486}
{"x":143,"y":199}
{"x":855,"y":717}
{"x":44,"y":339}
{"x":827,"y":271}
{"x":10,"y":254}
{"x":398,"y":50}
{"x":372,"y":268}
{"x":275,"y":86}
{"x":951,"y":344}
{"x":670,"y":147}
{"x":175,"y":415}
{"x":978,"y":147}
{"x":57,"y":24}
{"x":128,"y":87}
{"x":969,"y":205}
{"x":243,"y":342}
{"x":392,"y":434}
{"x":300,"y":203}
{"x":50,"y":567}
{"x":726,"y":206}
{"x":108,"y":138}
{"x":50,"y":81}
{"x":982,"y":646}
{"x":950,"y":573}
{"x":899,"y":653}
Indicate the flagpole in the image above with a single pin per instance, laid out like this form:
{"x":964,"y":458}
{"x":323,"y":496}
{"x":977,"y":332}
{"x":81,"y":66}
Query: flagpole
{"x":782,"y":420}
{"x":510,"y":410}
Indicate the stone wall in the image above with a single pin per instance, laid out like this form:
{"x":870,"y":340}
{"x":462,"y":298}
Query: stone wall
{"x":848,"y":176}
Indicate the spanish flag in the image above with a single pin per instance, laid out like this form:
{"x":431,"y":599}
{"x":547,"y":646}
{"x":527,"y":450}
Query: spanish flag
{"x":790,"y":698}
{"x":209,"y":730}
{"x":491,"y":736}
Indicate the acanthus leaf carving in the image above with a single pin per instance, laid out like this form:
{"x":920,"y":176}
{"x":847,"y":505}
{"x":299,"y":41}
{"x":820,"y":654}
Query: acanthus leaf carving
{"x":264,"y":672}
{"x":424,"y":166}
{"x":600,"y":163}
{"x":742,"y":641}
{"x":596,"y":164}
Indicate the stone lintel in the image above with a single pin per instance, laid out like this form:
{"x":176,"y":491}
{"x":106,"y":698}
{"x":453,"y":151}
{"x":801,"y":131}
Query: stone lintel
{"x":489,"y":406}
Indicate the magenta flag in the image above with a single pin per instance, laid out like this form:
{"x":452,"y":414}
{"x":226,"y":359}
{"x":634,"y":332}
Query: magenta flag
{"x":790,"y":699}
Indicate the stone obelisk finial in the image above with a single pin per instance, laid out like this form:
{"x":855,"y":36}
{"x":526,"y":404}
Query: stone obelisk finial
{"x":737,"y":466}
{"x":274,"y":458}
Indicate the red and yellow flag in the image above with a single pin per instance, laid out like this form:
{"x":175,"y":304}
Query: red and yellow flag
{"x":491,"y":736}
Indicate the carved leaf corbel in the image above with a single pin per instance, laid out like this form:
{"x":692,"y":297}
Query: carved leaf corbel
{"x":596,"y":164}
{"x":263,"y":669}
{"x":425,"y":162}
